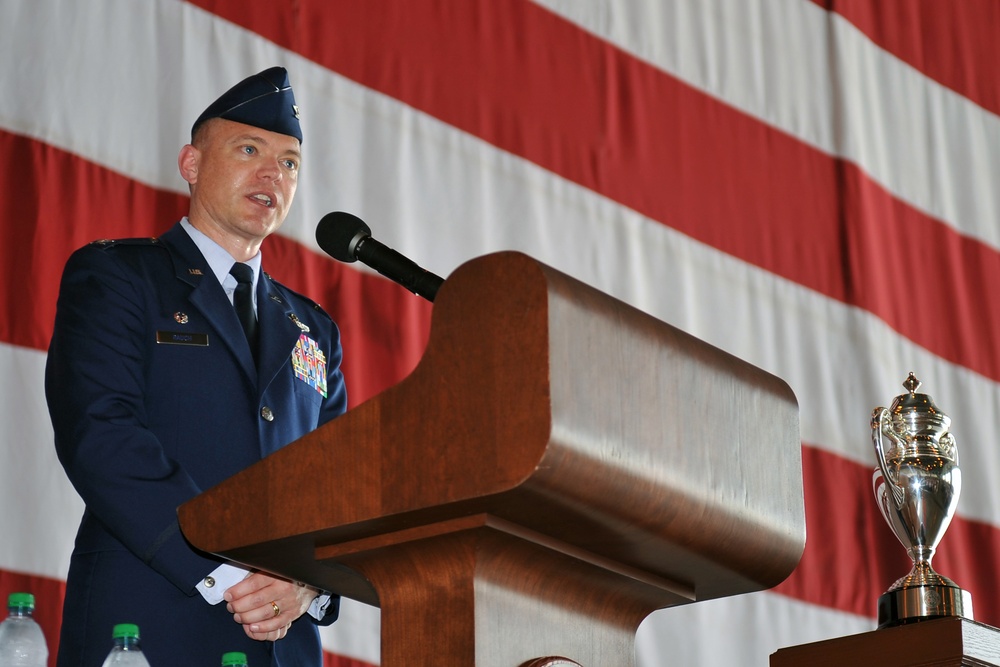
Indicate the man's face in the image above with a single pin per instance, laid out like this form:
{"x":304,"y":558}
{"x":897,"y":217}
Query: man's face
{"x":242,"y":178}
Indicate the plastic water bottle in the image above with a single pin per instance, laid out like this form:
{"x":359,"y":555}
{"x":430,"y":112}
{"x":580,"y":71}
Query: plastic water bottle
{"x":126,"y":651}
{"x":234,"y":659}
{"x":22,"y":643}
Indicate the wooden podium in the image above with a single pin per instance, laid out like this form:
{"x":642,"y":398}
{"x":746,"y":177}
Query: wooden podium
{"x":558,"y":466}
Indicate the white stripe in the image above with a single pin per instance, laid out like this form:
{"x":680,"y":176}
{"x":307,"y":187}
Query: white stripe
{"x":742,"y":631}
{"x":356,"y":634}
{"x":39,"y":510}
{"x":814,"y":75}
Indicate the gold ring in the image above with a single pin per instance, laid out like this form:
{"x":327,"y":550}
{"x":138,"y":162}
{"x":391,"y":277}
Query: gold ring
{"x":274,"y":606}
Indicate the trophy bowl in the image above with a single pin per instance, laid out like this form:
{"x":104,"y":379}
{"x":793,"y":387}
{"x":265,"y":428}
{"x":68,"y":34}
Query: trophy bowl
{"x":917,"y":485}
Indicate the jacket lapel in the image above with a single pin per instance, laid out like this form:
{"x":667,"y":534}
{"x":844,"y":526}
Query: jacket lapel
{"x":278,"y":330}
{"x":208,"y":297}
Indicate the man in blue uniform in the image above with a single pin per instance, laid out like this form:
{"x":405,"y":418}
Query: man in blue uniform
{"x":175,"y":363}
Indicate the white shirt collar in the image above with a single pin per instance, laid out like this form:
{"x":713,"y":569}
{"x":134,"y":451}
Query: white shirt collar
{"x":219,"y":260}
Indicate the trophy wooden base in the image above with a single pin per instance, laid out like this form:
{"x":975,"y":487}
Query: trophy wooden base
{"x":941,"y":642}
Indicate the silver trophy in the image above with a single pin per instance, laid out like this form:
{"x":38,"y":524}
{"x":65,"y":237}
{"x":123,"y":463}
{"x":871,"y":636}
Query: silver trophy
{"x":917,"y":485}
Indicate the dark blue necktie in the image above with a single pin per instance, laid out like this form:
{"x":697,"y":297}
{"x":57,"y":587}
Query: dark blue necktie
{"x":243,"y":302}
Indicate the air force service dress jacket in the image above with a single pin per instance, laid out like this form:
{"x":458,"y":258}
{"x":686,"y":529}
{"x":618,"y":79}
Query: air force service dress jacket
{"x":154,"y":396}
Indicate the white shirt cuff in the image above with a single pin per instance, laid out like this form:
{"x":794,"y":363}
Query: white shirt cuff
{"x":319,"y":606}
{"x":214,"y":585}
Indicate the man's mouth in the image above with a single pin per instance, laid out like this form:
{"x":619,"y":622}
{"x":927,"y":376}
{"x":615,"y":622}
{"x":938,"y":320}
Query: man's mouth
{"x":264,"y":199}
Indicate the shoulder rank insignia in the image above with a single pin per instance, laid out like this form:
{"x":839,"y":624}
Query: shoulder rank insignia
{"x":107,"y":243}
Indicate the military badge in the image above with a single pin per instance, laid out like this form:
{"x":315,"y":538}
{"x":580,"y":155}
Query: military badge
{"x":309,"y":364}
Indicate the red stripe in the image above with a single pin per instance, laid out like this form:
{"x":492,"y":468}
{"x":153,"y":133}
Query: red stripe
{"x":333,"y":660}
{"x":531,"y":83}
{"x":62,"y":203}
{"x":954,"y":43}
{"x":852,"y":556}
{"x":65,"y":202}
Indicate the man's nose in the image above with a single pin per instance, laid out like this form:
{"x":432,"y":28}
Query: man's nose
{"x":269,"y":170}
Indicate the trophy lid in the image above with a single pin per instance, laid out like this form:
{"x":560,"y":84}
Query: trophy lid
{"x":917,"y":414}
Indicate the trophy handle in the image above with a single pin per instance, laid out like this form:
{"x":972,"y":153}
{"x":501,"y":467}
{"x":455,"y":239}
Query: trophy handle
{"x":880,"y":418}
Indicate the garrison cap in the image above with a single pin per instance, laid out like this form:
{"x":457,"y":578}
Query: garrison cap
{"x":264,"y":100}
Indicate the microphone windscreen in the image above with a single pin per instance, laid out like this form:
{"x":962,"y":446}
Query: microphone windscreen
{"x":339,"y":233}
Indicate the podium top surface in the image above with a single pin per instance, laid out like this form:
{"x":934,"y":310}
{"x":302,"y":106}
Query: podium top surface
{"x":558,"y":409}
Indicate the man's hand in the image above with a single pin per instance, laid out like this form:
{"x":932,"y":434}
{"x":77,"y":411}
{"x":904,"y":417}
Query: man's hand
{"x":266,"y":606}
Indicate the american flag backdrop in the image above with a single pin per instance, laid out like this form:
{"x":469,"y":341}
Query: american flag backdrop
{"x":809,"y":185}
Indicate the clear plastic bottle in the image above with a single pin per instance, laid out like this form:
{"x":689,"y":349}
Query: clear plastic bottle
{"x":126,"y":651}
{"x":234,"y":659}
{"x":22,"y":643}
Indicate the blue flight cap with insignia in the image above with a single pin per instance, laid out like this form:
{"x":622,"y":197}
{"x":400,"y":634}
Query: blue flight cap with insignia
{"x":264,"y":100}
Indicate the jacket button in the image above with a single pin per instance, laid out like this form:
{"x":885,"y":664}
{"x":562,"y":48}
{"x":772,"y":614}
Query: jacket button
{"x":267,"y":414}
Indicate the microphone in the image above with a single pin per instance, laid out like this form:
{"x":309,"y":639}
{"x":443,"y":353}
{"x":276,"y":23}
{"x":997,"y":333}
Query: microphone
{"x":347,"y":238}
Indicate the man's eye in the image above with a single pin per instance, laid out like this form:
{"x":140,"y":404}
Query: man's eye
{"x":291,"y":164}
{"x":249,"y":150}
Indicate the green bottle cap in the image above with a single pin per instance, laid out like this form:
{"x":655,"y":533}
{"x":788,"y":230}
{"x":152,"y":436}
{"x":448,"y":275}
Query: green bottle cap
{"x":234,"y":658}
{"x":25,"y":600}
{"x":125,"y":630}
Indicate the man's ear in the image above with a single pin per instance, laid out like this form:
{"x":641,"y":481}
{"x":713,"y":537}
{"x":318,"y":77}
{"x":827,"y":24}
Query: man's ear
{"x":187,"y":163}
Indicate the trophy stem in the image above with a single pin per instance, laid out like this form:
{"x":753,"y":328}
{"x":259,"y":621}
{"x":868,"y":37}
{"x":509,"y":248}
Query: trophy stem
{"x":922,"y":594}
{"x":922,"y":574}
{"x":921,"y":555}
